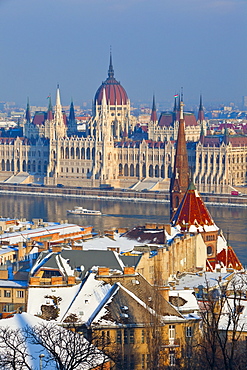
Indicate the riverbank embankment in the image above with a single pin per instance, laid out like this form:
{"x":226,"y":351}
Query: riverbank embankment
{"x":116,"y":194}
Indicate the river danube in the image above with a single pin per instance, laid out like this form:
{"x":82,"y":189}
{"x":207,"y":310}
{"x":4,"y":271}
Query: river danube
{"x":115,"y":213}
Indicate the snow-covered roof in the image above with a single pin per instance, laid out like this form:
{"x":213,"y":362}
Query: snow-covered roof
{"x":209,"y":279}
{"x":102,"y":243}
{"x":23,"y":236}
{"x":188,"y":297}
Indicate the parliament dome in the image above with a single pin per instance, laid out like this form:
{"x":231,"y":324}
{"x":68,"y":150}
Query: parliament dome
{"x":114,"y":91}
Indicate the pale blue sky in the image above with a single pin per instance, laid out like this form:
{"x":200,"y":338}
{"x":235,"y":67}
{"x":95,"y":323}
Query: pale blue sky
{"x":158,"y":46}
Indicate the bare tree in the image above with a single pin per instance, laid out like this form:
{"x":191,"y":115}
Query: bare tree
{"x":223,"y":344}
{"x":14,"y":354}
{"x":69,"y":350}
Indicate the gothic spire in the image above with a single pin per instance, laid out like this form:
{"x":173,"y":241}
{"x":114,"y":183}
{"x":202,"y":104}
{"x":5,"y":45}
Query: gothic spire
{"x":28,"y":113}
{"x":111,"y":70}
{"x":180,"y":177}
{"x":49,"y":112}
{"x":58,"y":100}
{"x":154,"y":112}
{"x":201,"y":111}
{"x":71,"y":112}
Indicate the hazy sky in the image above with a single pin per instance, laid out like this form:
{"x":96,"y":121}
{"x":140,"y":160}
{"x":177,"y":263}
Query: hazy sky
{"x":157,"y":45}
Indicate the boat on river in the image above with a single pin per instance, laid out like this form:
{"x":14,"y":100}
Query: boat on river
{"x":83,"y":211}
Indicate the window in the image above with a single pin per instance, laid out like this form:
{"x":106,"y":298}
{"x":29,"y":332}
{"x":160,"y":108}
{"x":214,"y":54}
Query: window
{"x":132,"y":336}
{"x":172,"y":359}
{"x":20,"y":294}
{"x":143,"y":361}
{"x":7,"y":294}
{"x":143,"y":336}
{"x":209,"y":250}
{"x":172,"y":332}
{"x":119,"y":337}
{"x":188,"y":331}
{"x":125,"y":336}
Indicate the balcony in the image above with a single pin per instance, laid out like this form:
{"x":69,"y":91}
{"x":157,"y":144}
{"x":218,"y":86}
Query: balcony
{"x":171,"y":343}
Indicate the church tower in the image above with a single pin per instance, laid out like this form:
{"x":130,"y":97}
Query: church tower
{"x":180,"y":177}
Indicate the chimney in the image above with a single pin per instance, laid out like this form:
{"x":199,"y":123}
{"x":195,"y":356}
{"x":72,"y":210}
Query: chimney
{"x":164,"y":291}
{"x":103,"y":271}
{"x":35,"y":280}
{"x":56,"y":248}
{"x":129,"y":270}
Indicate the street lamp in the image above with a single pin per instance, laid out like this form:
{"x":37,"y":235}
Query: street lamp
{"x":40,"y":360}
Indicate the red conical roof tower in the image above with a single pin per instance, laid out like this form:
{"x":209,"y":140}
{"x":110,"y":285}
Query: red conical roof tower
{"x":180,"y":177}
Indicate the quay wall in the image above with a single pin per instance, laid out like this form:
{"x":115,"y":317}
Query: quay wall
{"x":143,"y":196}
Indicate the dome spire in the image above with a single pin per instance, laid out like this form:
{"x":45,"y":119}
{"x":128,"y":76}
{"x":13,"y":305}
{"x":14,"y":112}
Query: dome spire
{"x":110,"y":70}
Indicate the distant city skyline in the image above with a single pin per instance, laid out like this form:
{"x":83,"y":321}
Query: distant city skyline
{"x":157,"y":48}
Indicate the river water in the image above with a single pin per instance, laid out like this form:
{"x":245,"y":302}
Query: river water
{"x":115,"y":213}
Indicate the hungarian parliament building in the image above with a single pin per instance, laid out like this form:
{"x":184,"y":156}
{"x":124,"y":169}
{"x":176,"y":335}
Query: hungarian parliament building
{"x":52,"y":151}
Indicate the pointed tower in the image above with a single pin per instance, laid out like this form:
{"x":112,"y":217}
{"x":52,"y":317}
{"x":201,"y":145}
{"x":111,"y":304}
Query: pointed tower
{"x":180,"y":177}
{"x":152,"y":126}
{"x":28,"y":113}
{"x":154,"y":112}
{"x":201,"y":120}
{"x":59,"y":124}
{"x":49,"y":111}
{"x":226,"y":134}
{"x":201,"y":116}
{"x":176,"y":107}
{"x":72,"y":125}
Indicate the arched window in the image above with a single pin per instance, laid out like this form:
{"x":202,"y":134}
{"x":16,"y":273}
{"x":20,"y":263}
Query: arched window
{"x":151,"y":171}
{"x":8,"y":165}
{"x":24,"y":166}
{"x":93,"y":154}
{"x":126,"y":170}
{"x":131,"y":170}
{"x":67,"y":153}
{"x":77,"y":153}
{"x":137,"y":170}
{"x":62,"y":152}
{"x":157,"y":171}
{"x":33,"y":166}
{"x":144,"y":170}
{"x":120,"y":170}
{"x":72,"y":153}
{"x":82,"y":153}
{"x":3,"y":165}
{"x":88,"y":153}
{"x":162,"y":171}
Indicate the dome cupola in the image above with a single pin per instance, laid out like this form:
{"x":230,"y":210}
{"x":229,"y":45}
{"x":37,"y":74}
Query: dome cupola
{"x":114,"y":92}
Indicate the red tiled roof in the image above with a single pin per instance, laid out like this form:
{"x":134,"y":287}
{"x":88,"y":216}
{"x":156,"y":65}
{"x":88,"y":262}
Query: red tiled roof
{"x":167,"y":119}
{"x":192,"y":212}
{"x":229,"y":259}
